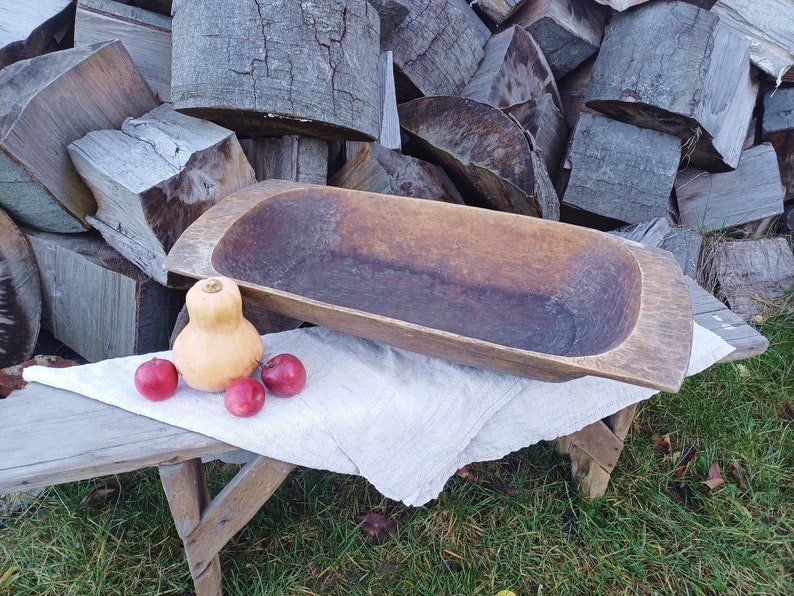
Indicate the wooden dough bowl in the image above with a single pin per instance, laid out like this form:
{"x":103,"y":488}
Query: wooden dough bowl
{"x":500,"y":291}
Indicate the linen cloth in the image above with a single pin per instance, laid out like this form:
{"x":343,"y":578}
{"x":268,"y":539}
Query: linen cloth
{"x":405,"y":421}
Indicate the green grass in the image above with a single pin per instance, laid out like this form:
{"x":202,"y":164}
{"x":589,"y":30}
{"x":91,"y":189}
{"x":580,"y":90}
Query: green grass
{"x":653,"y":533}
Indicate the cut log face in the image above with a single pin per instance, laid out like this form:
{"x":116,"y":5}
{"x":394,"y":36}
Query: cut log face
{"x":46,"y":103}
{"x":436,"y":47}
{"x":486,"y":154}
{"x":20,"y":296}
{"x":499,"y":10}
{"x":620,"y":171}
{"x":154,"y":177}
{"x":515,"y":77}
{"x":696,"y":84}
{"x":749,"y":274}
{"x":280,"y":67}
{"x":98,"y":303}
{"x":145,"y":34}
{"x":30,"y":29}
{"x":291,"y":157}
{"x":752,"y":192}
{"x":568,"y":31}
{"x":375,"y":168}
{"x":778,"y":128}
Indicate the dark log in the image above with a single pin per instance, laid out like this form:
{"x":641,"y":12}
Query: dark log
{"x":695,"y":84}
{"x":573,"y":88}
{"x":568,"y":31}
{"x":161,"y":6}
{"x":749,"y":275}
{"x":154,"y":177}
{"x":98,"y":303}
{"x":619,"y":170}
{"x":20,"y":296}
{"x":291,"y":157}
{"x":30,"y":29}
{"x":777,"y":127}
{"x":280,"y":67}
{"x":46,"y":103}
{"x":515,"y":77}
{"x":375,"y":168}
{"x":485,"y":152}
{"x":145,"y":34}
{"x":437,"y":47}
{"x":751,"y":192}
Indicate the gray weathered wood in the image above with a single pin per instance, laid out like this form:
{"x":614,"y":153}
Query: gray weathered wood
{"x":713,"y":201}
{"x":686,"y":247}
{"x":29,"y":29}
{"x":98,"y":303}
{"x":154,"y":177}
{"x":20,"y":295}
{"x":489,"y":157}
{"x":768,"y":25}
{"x":777,"y":127}
{"x":619,"y":170}
{"x":568,"y":31}
{"x":499,"y":10}
{"x":696,"y":84}
{"x":389,"y":136}
{"x":436,"y":46}
{"x":291,"y":157}
{"x":145,"y":34}
{"x":279,"y":67}
{"x":749,"y":275}
{"x":573,"y":88}
{"x":47,"y":102}
{"x":375,"y":168}
{"x":515,"y":77}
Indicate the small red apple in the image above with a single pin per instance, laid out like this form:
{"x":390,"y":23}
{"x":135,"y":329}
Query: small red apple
{"x":156,"y":379}
{"x":284,"y":375}
{"x":244,"y":397}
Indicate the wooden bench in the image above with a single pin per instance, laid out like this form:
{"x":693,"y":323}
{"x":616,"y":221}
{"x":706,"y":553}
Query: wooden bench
{"x":51,"y":436}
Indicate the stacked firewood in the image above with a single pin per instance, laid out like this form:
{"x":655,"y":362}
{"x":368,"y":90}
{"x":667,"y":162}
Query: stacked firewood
{"x":122,"y":122}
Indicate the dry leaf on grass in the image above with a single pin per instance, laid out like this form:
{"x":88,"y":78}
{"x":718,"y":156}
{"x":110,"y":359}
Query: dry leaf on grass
{"x":662,"y":443}
{"x":714,"y":478}
{"x":738,"y":472}
{"x":377,"y":527}
{"x":686,"y":458}
{"x":787,"y":412}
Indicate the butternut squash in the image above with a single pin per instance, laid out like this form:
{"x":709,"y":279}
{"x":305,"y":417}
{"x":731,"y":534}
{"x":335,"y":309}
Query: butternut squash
{"x":218,"y":344}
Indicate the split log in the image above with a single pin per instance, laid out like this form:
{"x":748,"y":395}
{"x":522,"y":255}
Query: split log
{"x":619,"y":170}
{"x":154,"y":177}
{"x":777,"y":127}
{"x":621,"y":5}
{"x":573,"y":88}
{"x":48,"y":102}
{"x":488,"y":156}
{"x":694,"y":83}
{"x":98,"y":303}
{"x":145,"y":34}
{"x":20,"y":296}
{"x":436,"y":46}
{"x":769,"y":28}
{"x":568,"y":31}
{"x":686,"y":246}
{"x":276,"y":68}
{"x":515,"y":77}
{"x":751,"y":192}
{"x":30,"y":29}
{"x":375,"y":168}
{"x":499,"y":10}
{"x":291,"y":157}
{"x":749,"y":275}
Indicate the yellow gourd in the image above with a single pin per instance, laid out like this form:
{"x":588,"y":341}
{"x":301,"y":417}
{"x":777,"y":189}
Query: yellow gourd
{"x":218,"y":345}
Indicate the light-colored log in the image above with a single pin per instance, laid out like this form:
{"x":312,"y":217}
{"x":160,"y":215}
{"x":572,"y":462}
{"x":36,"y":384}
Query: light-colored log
{"x":777,"y":127}
{"x":30,"y":29}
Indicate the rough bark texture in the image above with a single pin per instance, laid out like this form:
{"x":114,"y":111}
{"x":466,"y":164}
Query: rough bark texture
{"x":154,"y":177}
{"x":46,"y":103}
{"x":676,"y":68}
{"x":280,"y":67}
{"x":29,"y":29}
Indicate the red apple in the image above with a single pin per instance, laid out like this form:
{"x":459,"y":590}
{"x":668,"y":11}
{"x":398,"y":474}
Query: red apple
{"x":156,"y":379}
{"x":284,"y":375}
{"x":244,"y":397}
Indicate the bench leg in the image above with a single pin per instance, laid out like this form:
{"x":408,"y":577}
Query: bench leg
{"x":205,"y":525}
{"x":594,"y":451}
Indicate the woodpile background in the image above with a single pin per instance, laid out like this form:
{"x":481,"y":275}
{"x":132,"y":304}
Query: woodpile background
{"x":671,"y":123}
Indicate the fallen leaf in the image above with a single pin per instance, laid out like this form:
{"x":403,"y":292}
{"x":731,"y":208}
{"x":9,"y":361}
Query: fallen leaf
{"x":662,"y":444}
{"x":787,"y":412}
{"x":100,"y":495}
{"x":685,"y":460}
{"x":377,"y":527}
{"x":11,"y":376}
{"x":714,"y":478}
{"x":738,"y":472}
{"x":466,"y":474}
{"x":9,"y":577}
{"x":682,"y":491}
{"x":510,"y":490}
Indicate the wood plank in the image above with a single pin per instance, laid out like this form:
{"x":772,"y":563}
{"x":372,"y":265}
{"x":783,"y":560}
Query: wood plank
{"x":29,"y":29}
{"x":238,"y":68}
{"x":145,"y":34}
